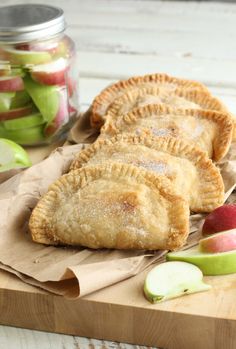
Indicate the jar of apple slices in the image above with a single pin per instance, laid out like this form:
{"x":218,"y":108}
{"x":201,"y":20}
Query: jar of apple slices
{"x":38,"y":75}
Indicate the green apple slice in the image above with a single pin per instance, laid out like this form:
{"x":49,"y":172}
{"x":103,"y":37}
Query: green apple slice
{"x":24,"y":122}
{"x":12,"y":155}
{"x":46,"y":98}
{"x":6,"y":100}
{"x":210,"y":263}
{"x":173,"y":279}
{"x":28,"y":136}
{"x":26,"y":57}
{"x":20,"y":99}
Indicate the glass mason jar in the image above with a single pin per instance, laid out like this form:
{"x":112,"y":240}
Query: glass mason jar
{"x":38,"y":75}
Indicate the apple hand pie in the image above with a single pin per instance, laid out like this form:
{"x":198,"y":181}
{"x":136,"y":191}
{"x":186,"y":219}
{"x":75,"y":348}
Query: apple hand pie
{"x":192,"y":173}
{"x":164,"y":82}
{"x":182,"y":99}
{"x":111,"y":206}
{"x":211,"y":131}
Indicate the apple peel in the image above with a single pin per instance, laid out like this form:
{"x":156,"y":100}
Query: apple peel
{"x":221,"y":219}
{"x":173,"y":279}
{"x":219,"y":242}
{"x":53,"y":73}
{"x":209,"y":263}
{"x":12,"y":155}
{"x":16,"y":113}
{"x":46,"y":98}
{"x":24,"y":122}
{"x":11,"y":84}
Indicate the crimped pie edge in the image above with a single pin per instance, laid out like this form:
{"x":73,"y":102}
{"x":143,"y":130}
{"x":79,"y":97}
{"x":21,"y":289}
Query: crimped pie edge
{"x":224,"y":121}
{"x":214,"y":186}
{"x":203,"y":98}
{"x":178,"y":214}
{"x":107,"y":94}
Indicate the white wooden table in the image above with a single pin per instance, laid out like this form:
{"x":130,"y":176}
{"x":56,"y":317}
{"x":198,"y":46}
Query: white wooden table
{"x":120,"y":38}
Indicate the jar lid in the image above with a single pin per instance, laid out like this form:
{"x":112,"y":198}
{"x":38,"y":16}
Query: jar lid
{"x":27,"y":22}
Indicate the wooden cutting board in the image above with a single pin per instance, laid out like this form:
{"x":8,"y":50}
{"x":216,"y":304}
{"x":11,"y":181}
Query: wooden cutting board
{"x":121,"y":313}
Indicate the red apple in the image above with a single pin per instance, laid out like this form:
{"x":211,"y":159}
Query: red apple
{"x":16,"y":113}
{"x":11,"y":83}
{"x":221,"y":219}
{"x":62,"y":116}
{"x":53,"y":73}
{"x":220,"y":242}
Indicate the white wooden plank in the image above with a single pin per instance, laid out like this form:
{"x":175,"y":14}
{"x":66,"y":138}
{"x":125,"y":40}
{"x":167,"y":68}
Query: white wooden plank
{"x":160,"y":43}
{"x":12,"y":338}
{"x":117,"y":66}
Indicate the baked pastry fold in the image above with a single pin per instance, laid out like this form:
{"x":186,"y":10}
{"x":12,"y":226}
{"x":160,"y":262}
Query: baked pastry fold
{"x":165,"y":82}
{"x":209,"y":130}
{"x":179,"y":98}
{"x":111,"y":206}
{"x":192,"y":173}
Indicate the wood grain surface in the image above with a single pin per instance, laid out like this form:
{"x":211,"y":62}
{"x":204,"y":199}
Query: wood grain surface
{"x":116,"y":39}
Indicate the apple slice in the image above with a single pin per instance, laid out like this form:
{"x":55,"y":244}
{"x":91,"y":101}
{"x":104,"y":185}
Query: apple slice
{"x":53,"y":73}
{"x":49,"y":46}
{"x":46,"y":98}
{"x":219,"y":242}
{"x":221,"y":219}
{"x":26,"y":57}
{"x":23,"y":122}
{"x":6,"y":100}
{"x":62,"y":116}
{"x":12,"y":155}
{"x":20,"y":99}
{"x":5,"y":68}
{"x":28,"y":136}
{"x":16,"y":113}
{"x":11,"y":83}
{"x":173,"y":279}
{"x":209,"y":263}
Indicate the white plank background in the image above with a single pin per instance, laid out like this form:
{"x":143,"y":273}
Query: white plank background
{"x":119,"y":38}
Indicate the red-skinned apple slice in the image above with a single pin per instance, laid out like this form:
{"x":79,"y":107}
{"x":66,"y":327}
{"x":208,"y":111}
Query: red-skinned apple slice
{"x":220,"y":242}
{"x":221,"y":219}
{"x":62,"y":115}
{"x":50,"y":47}
{"x":16,"y":113}
{"x":53,"y":73}
{"x":11,"y":84}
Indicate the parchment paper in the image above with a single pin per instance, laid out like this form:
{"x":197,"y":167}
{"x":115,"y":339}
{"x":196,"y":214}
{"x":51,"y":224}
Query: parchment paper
{"x":72,"y":272}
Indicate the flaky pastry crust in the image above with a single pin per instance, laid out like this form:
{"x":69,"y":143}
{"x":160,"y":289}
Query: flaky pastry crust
{"x":180,"y":98}
{"x":111,"y":206}
{"x":168,"y":83}
{"x":210,"y":130}
{"x":192,"y":173}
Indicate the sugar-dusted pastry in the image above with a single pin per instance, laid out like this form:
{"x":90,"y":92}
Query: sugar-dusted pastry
{"x":111,"y":206}
{"x":192,"y":173}
{"x":166,"y":83}
{"x":211,"y":131}
{"x":184,"y":99}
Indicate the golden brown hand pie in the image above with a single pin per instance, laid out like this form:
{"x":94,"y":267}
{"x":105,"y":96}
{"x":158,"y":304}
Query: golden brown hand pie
{"x":167,"y":84}
{"x":211,"y":131}
{"x":192,"y":173}
{"x":184,"y":99}
{"x":111,"y":206}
